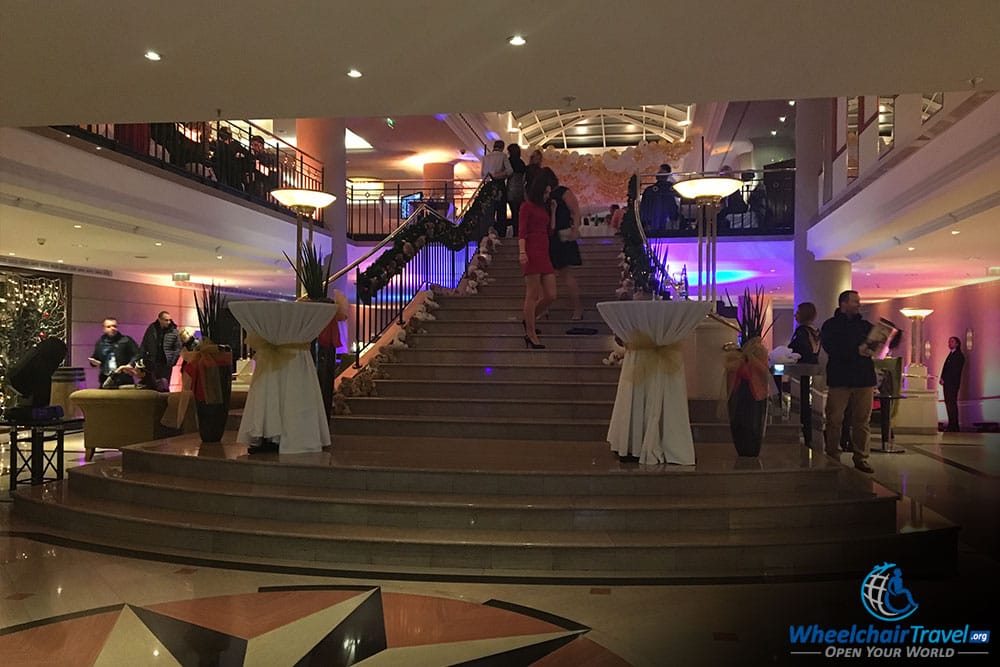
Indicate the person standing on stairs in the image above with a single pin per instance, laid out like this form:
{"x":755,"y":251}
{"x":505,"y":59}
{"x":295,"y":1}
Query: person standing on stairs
{"x":563,"y":250}
{"x":515,"y":185}
{"x":537,"y":219}
{"x":497,"y":167}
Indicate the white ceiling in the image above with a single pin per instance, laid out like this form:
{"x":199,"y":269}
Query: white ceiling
{"x":75,"y":62}
{"x":69,"y":62}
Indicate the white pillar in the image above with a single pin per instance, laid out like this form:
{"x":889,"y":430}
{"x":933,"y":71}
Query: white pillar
{"x":817,"y":281}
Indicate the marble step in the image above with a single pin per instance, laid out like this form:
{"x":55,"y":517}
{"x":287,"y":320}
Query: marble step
{"x":486,"y":309}
{"x":467,"y":511}
{"x":414,"y":464}
{"x":486,"y":356}
{"x":674,"y":553}
{"x":541,"y":428}
{"x":475,"y":405}
{"x":507,"y":341}
{"x":495,"y":389}
{"x":512,"y":326}
{"x":536,"y":370}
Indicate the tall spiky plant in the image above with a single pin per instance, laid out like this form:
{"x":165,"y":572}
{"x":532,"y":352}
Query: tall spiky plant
{"x":752,"y":316}
{"x":314,"y":273}
{"x":210,"y":308}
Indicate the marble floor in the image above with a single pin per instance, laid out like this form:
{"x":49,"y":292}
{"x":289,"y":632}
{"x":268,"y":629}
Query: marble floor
{"x":65,"y":605}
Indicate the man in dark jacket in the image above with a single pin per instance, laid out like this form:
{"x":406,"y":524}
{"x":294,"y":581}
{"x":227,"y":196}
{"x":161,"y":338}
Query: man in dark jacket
{"x":161,"y":348}
{"x":112,"y":351}
{"x":951,"y":379}
{"x":658,"y":208}
{"x":850,"y":376}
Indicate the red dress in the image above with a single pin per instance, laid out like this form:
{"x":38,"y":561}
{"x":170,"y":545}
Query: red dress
{"x":534,"y":229}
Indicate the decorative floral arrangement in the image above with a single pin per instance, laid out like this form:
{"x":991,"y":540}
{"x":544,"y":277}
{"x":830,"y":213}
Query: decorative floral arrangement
{"x":748,"y":361}
{"x":428,"y":226}
{"x":208,"y":364}
{"x":636,"y":257}
{"x":617,"y":354}
{"x":599,"y":179}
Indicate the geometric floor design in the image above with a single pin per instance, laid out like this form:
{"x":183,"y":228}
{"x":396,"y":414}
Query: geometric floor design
{"x":313,"y":625}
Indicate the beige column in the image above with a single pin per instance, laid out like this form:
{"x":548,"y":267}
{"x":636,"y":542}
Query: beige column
{"x":323,"y":138}
{"x":817,"y":281}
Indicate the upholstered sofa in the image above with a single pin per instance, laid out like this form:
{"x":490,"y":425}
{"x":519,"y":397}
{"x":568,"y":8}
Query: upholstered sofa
{"x":114,"y":418}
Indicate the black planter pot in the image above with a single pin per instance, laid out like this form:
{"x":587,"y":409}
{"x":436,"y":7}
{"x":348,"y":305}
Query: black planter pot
{"x":212,"y":418}
{"x":747,"y":420}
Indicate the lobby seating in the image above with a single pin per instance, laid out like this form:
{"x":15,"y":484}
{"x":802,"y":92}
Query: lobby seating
{"x":115,"y":418}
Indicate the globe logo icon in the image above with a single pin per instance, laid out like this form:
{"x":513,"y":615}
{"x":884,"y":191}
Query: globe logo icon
{"x":884,"y":596}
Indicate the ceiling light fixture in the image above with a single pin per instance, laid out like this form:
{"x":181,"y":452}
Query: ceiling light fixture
{"x":354,"y":74}
{"x":774,"y":133}
{"x":911,"y":248}
{"x":158,"y":244}
{"x":781,"y":119}
{"x":153,"y":55}
{"x":77,"y":226}
{"x":791,"y":103}
{"x":955,"y":232}
{"x":516,"y":40}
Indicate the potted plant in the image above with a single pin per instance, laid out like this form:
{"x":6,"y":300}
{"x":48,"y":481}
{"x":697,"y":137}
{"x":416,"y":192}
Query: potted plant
{"x":748,"y":375}
{"x":314,"y":275}
{"x":210,"y":367}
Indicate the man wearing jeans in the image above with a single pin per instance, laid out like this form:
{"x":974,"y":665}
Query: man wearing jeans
{"x":850,"y":376}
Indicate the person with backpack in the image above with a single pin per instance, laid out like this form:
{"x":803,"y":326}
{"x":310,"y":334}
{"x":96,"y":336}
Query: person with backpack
{"x":515,"y":185}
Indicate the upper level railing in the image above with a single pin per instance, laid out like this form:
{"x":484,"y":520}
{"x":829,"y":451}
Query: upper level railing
{"x":234,"y":156}
{"x":376,"y":208}
{"x":764,"y":206}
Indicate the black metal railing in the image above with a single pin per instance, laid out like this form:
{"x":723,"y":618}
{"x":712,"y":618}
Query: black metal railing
{"x":764,"y":206}
{"x":224,"y":154}
{"x":426,"y":249}
{"x":375,"y":208}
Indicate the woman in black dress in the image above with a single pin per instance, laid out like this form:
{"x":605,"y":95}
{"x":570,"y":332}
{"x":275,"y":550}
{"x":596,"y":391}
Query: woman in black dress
{"x":563,"y":250}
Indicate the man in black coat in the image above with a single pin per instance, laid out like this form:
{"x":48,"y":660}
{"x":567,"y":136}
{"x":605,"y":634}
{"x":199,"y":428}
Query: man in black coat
{"x":850,"y":377}
{"x":951,"y":378}
{"x":112,"y":351}
{"x":161,"y":348}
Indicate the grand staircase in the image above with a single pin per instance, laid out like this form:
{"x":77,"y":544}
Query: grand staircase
{"x":482,"y":457}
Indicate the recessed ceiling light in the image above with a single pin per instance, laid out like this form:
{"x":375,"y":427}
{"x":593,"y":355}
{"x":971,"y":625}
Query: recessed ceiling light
{"x":60,"y":261}
{"x":911,"y":248}
{"x":98,"y":147}
{"x":773,"y":270}
{"x":867,"y":274}
{"x":516,"y":40}
{"x":791,"y":103}
{"x":782,"y":119}
{"x":67,"y":136}
{"x":153,"y":55}
{"x":218,"y":256}
{"x":774,"y":133}
{"x":955,"y":232}
{"x":12,"y":254}
{"x":157,"y":244}
{"x":354,"y":74}
{"x":77,"y":226}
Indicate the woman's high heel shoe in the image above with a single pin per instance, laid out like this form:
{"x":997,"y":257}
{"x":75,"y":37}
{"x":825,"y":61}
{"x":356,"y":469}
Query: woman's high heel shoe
{"x":525,"y":326}
{"x":530,"y":344}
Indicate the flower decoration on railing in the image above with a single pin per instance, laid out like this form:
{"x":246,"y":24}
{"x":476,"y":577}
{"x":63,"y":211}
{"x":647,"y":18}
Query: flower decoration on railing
{"x":640,"y":265}
{"x":426,"y":227}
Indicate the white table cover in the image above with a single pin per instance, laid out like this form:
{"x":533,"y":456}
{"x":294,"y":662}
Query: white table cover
{"x":284,"y":399}
{"x":650,"y":417}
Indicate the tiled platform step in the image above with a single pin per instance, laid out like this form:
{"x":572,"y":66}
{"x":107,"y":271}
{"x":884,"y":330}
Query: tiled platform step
{"x":865,"y":509}
{"x":457,"y":389}
{"x":485,"y":309}
{"x":508,"y":341}
{"x":542,"y":428}
{"x":518,"y":357}
{"x":496,"y":506}
{"x":511,"y":302}
{"x":538,"y":371}
{"x":511,"y":325}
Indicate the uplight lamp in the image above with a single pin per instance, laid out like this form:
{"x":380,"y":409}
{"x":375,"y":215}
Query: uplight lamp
{"x":707,"y":188}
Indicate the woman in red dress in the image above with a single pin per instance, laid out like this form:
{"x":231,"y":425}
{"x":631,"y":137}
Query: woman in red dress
{"x":536,"y":224}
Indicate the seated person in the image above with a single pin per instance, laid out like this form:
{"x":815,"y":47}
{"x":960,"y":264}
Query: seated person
{"x":229,"y":159}
{"x":262,"y":176}
{"x":734,"y":204}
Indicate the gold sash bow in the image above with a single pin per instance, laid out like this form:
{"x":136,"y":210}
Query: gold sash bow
{"x":668,"y":356}
{"x":270,"y":356}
